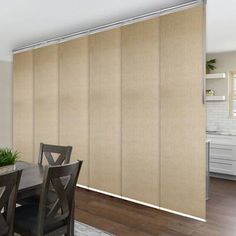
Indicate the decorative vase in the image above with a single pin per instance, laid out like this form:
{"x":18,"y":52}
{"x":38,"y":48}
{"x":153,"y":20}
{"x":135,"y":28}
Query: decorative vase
{"x":6,"y":169}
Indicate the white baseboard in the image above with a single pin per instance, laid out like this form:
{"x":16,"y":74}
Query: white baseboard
{"x":142,"y":203}
{"x":182,"y":214}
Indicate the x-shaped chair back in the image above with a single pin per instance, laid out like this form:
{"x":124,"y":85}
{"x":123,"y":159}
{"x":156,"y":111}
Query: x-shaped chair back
{"x":63,"y":180}
{"x":63,"y":154}
{"x":9,"y":183}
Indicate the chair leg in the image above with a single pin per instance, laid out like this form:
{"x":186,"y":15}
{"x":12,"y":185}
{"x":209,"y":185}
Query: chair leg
{"x":72,"y":220}
{"x":68,"y":233}
{"x":72,"y":227}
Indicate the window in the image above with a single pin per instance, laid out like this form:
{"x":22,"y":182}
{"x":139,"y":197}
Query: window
{"x":232,"y":95}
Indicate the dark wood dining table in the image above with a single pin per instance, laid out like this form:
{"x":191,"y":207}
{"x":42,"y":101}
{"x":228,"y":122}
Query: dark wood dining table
{"x":31,"y":179}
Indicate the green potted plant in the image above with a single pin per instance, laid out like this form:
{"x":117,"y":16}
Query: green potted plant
{"x":210,"y":65}
{"x":8,"y":159}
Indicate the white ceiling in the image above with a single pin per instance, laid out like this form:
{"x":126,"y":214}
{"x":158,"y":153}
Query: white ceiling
{"x":221,"y":25}
{"x":27,"y":21}
{"x":24,"y":22}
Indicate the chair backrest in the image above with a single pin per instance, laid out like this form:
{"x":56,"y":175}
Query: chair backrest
{"x":60,"y":181}
{"x":63,"y":154}
{"x":9,"y":184}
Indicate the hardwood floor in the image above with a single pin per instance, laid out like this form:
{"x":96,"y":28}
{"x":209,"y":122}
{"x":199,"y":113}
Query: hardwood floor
{"x":125,"y":218}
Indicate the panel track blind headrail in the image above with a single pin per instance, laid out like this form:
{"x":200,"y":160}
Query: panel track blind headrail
{"x":112,"y":25}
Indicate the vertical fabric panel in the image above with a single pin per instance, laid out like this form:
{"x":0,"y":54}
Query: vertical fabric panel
{"x":46,"y":96}
{"x":6,"y":104}
{"x":140,"y":111}
{"x":73,"y":100}
{"x":105,"y":102}
{"x":23,"y":105}
{"x":182,"y":113}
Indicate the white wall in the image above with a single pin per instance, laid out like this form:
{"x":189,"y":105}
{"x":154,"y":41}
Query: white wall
{"x":218,"y":112}
{"x":5,"y":104}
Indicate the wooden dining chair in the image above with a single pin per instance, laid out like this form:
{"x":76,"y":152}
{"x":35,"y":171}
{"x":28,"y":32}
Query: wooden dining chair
{"x":51,"y":218}
{"x":9,"y":184}
{"x":49,"y":151}
{"x":54,"y":155}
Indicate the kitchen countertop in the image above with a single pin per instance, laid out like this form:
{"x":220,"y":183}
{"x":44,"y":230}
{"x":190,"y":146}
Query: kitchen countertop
{"x":220,"y":133}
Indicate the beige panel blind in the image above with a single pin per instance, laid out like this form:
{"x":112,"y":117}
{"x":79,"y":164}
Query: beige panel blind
{"x":23,"y":105}
{"x":73,"y":101}
{"x":182,"y":113}
{"x":105,"y":111}
{"x":45,"y":96}
{"x":140,"y":111}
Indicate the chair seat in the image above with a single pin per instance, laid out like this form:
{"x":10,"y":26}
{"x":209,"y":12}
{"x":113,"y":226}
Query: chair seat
{"x":52,"y":196}
{"x":26,"y":220}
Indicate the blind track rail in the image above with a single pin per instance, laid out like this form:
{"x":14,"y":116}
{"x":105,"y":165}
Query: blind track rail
{"x":112,"y":25}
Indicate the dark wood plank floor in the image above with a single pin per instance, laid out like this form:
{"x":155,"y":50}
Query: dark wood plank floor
{"x":124,"y":218}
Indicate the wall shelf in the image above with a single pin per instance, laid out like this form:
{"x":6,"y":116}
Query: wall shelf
{"x":216,"y":76}
{"x":215,"y":98}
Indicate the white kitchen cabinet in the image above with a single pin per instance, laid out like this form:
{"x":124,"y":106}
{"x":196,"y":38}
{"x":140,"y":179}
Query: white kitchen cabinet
{"x":223,"y":154}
